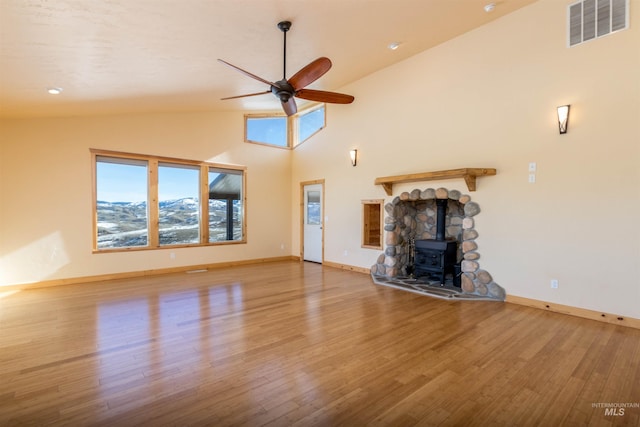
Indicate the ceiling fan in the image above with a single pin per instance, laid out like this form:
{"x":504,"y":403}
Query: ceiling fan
{"x":286,"y":90}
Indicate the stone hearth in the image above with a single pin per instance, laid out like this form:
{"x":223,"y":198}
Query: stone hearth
{"x":412,"y":216}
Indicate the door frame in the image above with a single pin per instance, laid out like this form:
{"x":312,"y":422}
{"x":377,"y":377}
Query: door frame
{"x":302,"y":185}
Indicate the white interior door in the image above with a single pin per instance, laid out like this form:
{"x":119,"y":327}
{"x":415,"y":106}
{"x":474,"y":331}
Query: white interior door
{"x":312,"y":228}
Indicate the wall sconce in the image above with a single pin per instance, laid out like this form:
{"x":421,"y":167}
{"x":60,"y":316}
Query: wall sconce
{"x":563,"y":118}
{"x":354,"y":157}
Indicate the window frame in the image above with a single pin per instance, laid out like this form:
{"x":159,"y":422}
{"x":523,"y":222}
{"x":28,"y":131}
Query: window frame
{"x":292,"y":126}
{"x":296,"y":125}
{"x":152,"y":200}
{"x":229,"y":204}
{"x":162,"y":231}
{"x":289,"y":119}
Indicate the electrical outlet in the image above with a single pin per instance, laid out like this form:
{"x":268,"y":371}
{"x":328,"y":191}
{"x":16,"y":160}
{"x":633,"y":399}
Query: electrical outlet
{"x":172,"y":255}
{"x":554,"y":283}
{"x":532,"y":178}
{"x":346,"y":252}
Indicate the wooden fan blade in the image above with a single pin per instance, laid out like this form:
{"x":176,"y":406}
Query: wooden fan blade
{"x":244,"y":96}
{"x":323,"y":96}
{"x":310,"y":73}
{"x":290,"y":107}
{"x":248,"y":74}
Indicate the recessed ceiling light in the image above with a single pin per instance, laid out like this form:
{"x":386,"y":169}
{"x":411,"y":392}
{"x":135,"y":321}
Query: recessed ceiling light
{"x":489,"y":7}
{"x":54,"y":90}
{"x":394,"y":45}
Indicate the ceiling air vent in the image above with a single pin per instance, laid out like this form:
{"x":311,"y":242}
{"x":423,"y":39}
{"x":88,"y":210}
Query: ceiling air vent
{"x":590,"y":19}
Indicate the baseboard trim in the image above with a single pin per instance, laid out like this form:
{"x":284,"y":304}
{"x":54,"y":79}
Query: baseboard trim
{"x":142,"y":273}
{"x":615,"y":319}
{"x":346,"y":267}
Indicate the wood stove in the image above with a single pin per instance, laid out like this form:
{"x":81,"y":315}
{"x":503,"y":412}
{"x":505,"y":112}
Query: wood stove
{"x":437,"y":257}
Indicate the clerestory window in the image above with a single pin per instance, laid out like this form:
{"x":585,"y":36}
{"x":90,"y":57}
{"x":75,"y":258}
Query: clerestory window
{"x":278,"y":130}
{"x":309,"y":123}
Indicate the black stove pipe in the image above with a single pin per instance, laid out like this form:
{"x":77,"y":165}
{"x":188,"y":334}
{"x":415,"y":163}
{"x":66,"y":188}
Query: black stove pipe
{"x":441,"y":217}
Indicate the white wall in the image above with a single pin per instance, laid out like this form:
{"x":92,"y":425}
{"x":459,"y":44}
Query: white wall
{"x":488,"y":99}
{"x":46,"y":212}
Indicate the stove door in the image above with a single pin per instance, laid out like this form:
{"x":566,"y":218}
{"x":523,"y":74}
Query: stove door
{"x":429,"y":258}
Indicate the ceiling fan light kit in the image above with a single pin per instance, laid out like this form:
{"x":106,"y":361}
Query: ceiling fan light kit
{"x":286,"y":90}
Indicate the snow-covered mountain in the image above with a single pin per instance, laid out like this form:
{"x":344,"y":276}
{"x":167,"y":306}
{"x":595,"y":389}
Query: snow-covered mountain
{"x":124,"y":224}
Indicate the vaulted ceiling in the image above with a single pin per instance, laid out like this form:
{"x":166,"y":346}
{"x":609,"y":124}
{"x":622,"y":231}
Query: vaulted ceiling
{"x":127,"y":56}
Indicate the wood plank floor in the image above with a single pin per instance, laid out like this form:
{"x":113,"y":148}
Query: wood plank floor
{"x":301,"y":344}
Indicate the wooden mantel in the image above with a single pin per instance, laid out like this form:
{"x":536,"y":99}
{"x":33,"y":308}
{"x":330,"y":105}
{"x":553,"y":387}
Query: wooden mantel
{"x":469,"y":175}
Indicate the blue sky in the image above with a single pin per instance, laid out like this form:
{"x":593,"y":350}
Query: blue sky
{"x":128,"y":183}
{"x":121,"y":183}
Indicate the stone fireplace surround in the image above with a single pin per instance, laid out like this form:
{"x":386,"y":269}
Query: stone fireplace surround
{"x":412,"y":215}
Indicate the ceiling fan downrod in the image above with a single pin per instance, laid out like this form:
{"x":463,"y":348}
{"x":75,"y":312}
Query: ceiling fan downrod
{"x":284,"y":27}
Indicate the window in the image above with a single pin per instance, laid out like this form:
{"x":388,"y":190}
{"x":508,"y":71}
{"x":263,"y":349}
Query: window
{"x":127,"y":219}
{"x":281,"y":131}
{"x":372,"y":223}
{"x":121,"y":204}
{"x":310,"y":122}
{"x":271,"y":130}
{"x":225,"y":205}
{"x":178,"y":204}
{"x":314,"y":216}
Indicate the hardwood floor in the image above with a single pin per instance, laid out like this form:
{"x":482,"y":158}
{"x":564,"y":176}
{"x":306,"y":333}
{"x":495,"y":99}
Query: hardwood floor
{"x":293,"y":343}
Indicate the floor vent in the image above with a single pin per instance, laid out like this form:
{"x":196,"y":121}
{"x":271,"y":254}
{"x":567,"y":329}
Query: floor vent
{"x":590,"y":19}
